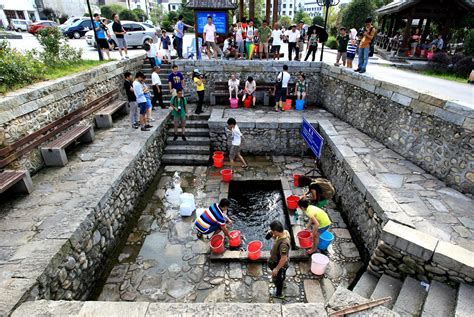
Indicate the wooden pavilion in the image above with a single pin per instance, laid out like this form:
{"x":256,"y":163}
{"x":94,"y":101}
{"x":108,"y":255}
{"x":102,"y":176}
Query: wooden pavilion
{"x":402,"y":12}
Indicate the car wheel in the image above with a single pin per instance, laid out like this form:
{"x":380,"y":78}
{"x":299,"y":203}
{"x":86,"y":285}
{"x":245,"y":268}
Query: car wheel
{"x":76,"y":35}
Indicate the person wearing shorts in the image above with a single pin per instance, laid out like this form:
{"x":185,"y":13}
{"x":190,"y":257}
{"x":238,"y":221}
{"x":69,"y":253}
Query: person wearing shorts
{"x":209,"y":37}
{"x":141,"y":99}
{"x":318,"y":220}
{"x":342,"y":40}
{"x":100,"y":29}
{"x":180,"y":110}
{"x":250,"y":89}
{"x":239,"y":40}
{"x":213,"y":220}
{"x":264,"y":32}
{"x":237,"y":139}
{"x":119,"y":32}
{"x":276,"y":41}
{"x":351,"y":47}
{"x":281,"y":88}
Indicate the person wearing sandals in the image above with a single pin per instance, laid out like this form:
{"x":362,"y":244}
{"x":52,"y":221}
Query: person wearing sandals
{"x":237,"y":139}
{"x":281,"y":88}
{"x":279,"y":256}
{"x":318,"y":220}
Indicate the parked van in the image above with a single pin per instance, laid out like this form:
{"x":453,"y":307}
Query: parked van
{"x":19,"y":24}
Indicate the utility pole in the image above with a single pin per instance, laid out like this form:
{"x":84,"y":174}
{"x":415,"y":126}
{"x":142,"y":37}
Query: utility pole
{"x":101,"y":58}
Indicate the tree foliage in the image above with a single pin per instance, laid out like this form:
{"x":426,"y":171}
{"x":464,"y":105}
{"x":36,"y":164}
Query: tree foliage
{"x":319,"y":20}
{"x":355,"y":13}
{"x":469,"y":43}
{"x":301,"y":15}
{"x":128,"y":15}
{"x":107,"y":10}
{"x":157,"y":15}
{"x":140,"y":14}
{"x":188,"y":15}
{"x":285,"y":21}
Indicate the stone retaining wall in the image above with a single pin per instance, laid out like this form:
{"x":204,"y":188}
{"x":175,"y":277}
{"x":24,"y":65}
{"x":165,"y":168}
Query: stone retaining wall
{"x":403,"y":251}
{"x":434,"y":133}
{"x":27,"y":110}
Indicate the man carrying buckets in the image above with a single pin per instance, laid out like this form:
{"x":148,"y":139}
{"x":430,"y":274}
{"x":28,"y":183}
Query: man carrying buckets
{"x":213,"y":220}
{"x":318,"y":218}
{"x":279,"y":256}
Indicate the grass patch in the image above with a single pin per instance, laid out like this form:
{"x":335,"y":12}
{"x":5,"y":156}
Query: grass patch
{"x":450,"y":77}
{"x":58,"y":72}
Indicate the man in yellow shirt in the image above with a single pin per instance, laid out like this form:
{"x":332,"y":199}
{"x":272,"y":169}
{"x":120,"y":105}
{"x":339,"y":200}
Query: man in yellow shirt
{"x":318,"y":218}
{"x":364,"y":46}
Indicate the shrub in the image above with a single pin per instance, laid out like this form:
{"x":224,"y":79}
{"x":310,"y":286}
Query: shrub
{"x":439,"y":63}
{"x":469,"y":43}
{"x":17,"y":68}
{"x":456,"y":58}
{"x":464,"y":67}
{"x":56,"y":51}
{"x":128,"y":15}
{"x":331,"y":42}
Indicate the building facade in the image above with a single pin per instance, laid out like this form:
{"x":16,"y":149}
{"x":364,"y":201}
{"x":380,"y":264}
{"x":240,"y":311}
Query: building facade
{"x":290,"y":7}
{"x":170,"y":5}
{"x":18,"y":9}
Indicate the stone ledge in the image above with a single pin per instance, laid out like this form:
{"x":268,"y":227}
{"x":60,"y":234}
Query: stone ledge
{"x":454,"y":258}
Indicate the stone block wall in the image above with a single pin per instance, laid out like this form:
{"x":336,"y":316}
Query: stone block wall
{"x":262,"y":137}
{"x":403,"y":251}
{"x":261,"y":71}
{"x":27,"y":110}
{"x":74,"y":270}
{"x":433,"y":133}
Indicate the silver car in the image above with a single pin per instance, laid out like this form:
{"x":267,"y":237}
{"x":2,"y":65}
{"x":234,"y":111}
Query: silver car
{"x":137,"y":34}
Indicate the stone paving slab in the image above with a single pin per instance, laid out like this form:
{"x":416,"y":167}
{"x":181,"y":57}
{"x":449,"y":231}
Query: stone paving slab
{"x":34,"y":228}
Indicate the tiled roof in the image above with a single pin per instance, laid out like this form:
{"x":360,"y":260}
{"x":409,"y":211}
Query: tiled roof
{"x":211,"y":4}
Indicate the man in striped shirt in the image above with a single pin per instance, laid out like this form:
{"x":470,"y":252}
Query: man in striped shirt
{"x":213,"y":219}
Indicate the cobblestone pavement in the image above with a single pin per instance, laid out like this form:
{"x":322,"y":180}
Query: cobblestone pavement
{"x":173,"y":265}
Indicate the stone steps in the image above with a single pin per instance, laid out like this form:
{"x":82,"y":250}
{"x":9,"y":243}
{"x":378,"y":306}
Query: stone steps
{"x":189,"y":141}
{"x":441,"y":301}
{"x":387,"y":286}
{"x":193,"y":132}
{"x":197,"y":124}
{"x":411,"y":298}
{"x":185,"y":159}
{"x":366,"y":285}
{"x":187,"y":149}
{"x":464,"y":301}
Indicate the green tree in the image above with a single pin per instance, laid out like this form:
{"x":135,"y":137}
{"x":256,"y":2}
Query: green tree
{"x":332,"y":24}
{"x":128,"y":15}
{"x":469,"y":43}
{"x":107,"y":10}
{"x":301,"y":15}
{"x":319,"y":20}
{"x":381,"y":3}
{"x":141,"y":15}
{"x":285,"y":21}
{"x":356,"y":12}
{"x":188,"y":15}
{"x":157,"y":15}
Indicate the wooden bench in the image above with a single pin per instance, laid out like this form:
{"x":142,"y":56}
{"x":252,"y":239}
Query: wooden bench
{"x":103,"y":118}
{"x":15,"y":181}
{"x":221,"y":89}
{"x":54,"y":154}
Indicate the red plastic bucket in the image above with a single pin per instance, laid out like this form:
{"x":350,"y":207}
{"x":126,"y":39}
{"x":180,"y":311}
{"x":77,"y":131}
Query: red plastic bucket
{"x":295,"y":179}
{"x":218,"y":153}
{"x":234,"y":241}
{"x":248,"y":102}
{"x":287,"y":105}
{"x":234,"y":103}
{"x":226,"y":176}
{"x":305,"y":239}
{"x":218,"y":161}
{"x":254,"y":250}
{"x":217,"y":244}
{"x":292,"y":202}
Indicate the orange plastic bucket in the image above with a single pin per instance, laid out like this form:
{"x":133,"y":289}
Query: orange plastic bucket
{"x":295,"y":179}
{"x":305,"y":239}
{"x":254,"y":250}
{"x":218,"y":161}
{"x":226,"y":175}
{"x":217,"y":244}
{"x":234,"y":241}
{"x":292,"y":202}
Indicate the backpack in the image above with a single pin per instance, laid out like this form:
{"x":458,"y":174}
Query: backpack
{"x":326,"y":187}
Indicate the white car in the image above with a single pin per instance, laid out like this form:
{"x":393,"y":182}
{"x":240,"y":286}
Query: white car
{"x":137,"y":34}
{"x":19,"y":24}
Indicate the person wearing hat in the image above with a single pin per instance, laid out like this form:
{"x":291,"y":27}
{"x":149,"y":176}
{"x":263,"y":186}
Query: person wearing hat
{"x":293,"y":37}
{"x":364,"y":46}
{"x":199,"y":82}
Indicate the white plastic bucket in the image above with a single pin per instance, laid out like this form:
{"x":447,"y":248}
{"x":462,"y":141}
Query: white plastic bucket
{"x":188,"y":198}
{"x":186,"y":209}
{"x":319,"y":262}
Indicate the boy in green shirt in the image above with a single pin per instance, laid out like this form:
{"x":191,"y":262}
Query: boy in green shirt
{"x":264,"y":32}
{"x":179,"y":112}
{"x":341,"y":42}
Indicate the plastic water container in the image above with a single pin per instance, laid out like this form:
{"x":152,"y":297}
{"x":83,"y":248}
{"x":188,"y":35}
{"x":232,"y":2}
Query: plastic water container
{"x":186,"y":209}
{"x":325,"y":240}
{"x":319,"y":262}
{"x":218,"y":153}
{"x":226,"y":175}
{"x":248,"y":102}
{"x":234,"y":103}
{"x":305,"y":238}
{"x":217,"y":244}
{"x":254,"y":250}
{"x":188,"y":198}
{"x":295,"y":180}
{"x":287,"y":105}
{"x":299,"y":105}
{"x":218,"y":161}
{"x":234,"y":241}
{"x":292,"y":202}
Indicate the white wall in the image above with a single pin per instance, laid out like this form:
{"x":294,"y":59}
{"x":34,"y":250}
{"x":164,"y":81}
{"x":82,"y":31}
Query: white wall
{"x":25,"y":6}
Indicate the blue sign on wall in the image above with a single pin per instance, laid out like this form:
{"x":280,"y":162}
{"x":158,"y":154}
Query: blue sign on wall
{"x":218,"y":18}
{"x":314,"y":140}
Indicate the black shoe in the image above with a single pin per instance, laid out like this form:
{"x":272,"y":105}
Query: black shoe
{"x":357,"y":70}
{"x":175,"y":138}
{"x":281,"y":296}
{"x":135,"y":126}
{"x":183,"y":137}
{"x":148,"y":126}
{"x":145,"y":129}
{"x":362,"y":71}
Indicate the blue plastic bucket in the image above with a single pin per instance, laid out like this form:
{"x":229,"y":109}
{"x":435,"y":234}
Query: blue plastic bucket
{"x":299,"y":105}
{"x":325,"y":240}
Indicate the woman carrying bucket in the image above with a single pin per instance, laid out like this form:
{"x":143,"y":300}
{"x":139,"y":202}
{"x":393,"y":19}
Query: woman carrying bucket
{"x":318,"y":219}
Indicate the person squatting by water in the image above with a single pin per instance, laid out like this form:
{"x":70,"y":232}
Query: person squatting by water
{"x":318,"y":220}
{"x":214,"y":220}
{"x":319,"y":191}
